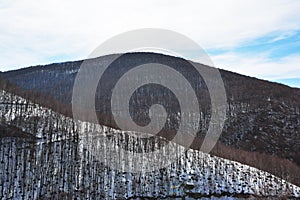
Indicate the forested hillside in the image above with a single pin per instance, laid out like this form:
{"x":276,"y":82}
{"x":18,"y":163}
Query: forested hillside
{"x":262,"y":116}
{"x":54,"y":163}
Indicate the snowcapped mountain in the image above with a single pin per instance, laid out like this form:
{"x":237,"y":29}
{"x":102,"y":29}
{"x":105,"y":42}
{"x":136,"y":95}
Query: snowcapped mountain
{"x":58,"y":165}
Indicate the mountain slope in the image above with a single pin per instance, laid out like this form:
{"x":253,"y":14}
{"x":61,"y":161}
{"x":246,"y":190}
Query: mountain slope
{"x":262,"y":116}
{"x":59,"y":165}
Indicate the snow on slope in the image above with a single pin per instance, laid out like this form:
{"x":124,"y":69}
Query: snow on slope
{"x":59,"y":165}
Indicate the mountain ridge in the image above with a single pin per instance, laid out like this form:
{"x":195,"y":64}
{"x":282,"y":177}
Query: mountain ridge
{"x":28,"y":68}
{"x":61,"y":159}
{"x":263,"y":116}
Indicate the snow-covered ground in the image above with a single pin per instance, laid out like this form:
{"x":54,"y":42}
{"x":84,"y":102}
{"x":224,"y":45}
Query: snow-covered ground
{"x":61,"y":165}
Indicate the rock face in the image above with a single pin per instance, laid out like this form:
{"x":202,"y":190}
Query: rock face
{"x":60,"y":164}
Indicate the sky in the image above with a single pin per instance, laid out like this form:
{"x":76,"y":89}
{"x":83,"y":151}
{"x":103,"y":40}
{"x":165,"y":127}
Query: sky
{"x":252,"y":37}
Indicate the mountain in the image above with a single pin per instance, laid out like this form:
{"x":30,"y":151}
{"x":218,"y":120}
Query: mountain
{"x":262,"y":116}
{"x":58,"y":164}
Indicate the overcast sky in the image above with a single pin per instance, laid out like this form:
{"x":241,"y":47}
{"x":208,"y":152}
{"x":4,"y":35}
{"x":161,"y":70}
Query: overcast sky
{"x":256,"y":38}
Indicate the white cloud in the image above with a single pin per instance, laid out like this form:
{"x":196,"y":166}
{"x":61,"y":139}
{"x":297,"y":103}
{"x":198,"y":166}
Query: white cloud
{"x":33,"y":32}
{"x":260,"y":65}
{"x":282,"y":36}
